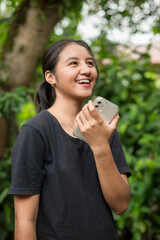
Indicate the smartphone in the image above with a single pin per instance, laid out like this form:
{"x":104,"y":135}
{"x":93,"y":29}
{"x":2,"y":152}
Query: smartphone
{"x":106,"y":109}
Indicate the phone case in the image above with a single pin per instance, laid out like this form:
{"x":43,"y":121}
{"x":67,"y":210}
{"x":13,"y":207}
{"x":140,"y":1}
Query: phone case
{"x":106,"y":109}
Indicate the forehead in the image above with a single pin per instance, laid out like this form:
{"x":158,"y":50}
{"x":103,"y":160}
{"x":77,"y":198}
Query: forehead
{"x":74,"y":50}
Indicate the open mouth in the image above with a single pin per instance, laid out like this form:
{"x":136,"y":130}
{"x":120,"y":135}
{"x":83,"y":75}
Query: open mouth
{"x":83,"y":81}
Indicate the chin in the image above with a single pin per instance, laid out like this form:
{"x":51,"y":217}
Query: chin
{"x":84,"y":96}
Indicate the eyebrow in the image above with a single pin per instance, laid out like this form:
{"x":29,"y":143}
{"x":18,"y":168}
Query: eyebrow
{"x":76,"y":58}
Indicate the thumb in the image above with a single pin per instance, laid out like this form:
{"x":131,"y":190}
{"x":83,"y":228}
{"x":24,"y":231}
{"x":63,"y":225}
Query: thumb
{"x":114,"y":121}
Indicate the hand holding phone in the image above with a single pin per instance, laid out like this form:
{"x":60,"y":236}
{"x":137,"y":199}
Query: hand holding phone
{"x":106,"y":109}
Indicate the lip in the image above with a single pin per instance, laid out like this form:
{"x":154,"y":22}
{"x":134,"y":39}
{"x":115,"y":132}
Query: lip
{"x":84,"y":79}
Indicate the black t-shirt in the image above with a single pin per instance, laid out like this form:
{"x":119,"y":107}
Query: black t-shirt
{"x":48,"y":161}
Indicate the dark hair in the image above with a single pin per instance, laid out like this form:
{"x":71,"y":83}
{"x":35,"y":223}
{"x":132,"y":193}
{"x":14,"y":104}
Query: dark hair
{"x":46,"y":93}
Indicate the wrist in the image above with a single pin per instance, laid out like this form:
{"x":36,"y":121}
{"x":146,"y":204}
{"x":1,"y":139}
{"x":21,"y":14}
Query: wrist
{"x":101,"y":150}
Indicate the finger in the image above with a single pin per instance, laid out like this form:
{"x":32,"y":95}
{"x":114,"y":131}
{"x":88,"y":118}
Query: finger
{"x":92,"y":109}
{"x":114,"y":121}
{"x":79,"y":123}
{"x":87,"y":121}
{"x":94,"y":113}
{"x":91,"y":114}
{"x":85,"y":106}
{"x":91,"y":106}
{"x":85,"y":111}
{"x":83,"y":118}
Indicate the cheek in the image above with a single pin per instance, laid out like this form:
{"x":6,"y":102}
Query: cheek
{"x":67,"y":73}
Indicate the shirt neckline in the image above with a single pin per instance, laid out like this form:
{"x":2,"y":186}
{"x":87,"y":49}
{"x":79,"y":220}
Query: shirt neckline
{"x":61,"y":128}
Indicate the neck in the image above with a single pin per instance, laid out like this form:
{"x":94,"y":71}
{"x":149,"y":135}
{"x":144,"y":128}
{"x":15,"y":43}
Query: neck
{"x":66,"y":109}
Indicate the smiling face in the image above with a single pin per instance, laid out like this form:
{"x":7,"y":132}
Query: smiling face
{"x":75,"y":73}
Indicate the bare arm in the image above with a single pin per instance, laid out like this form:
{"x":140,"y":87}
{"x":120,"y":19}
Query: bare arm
{"x":26,"y":210}
{"x":114,"y":185}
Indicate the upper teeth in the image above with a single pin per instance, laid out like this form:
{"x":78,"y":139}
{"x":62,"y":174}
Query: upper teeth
{"x":83,"y":81}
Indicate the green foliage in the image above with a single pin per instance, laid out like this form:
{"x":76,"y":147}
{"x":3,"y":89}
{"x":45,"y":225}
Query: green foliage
{"x":132,"y":14}
{"x":16,"y":102}
{"x":132,"y":84}
{"x":11,"y":101}
{"x":27,"y":111}
{"x":6,"y":201}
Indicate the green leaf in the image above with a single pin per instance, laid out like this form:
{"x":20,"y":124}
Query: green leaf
{"x":3,"y":194}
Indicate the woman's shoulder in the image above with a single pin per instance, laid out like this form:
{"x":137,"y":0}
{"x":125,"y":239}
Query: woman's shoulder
{"x":38,"y":122}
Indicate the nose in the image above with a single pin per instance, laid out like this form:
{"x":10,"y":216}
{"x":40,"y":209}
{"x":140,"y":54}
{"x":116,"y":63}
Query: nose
{"x":85,"y":70}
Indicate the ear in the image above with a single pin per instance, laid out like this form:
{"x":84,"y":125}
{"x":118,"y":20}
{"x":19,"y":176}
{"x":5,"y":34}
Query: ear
{"x":50,"y":78}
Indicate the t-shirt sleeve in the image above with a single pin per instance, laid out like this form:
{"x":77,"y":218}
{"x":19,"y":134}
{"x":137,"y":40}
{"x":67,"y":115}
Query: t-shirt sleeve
{"x":118,"y":154}
{"x":27,"y":156}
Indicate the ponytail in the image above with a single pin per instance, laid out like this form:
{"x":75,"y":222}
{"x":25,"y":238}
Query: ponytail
{"x":45,"y":96}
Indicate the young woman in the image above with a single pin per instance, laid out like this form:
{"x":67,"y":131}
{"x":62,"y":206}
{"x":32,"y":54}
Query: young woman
{"x":64,"y":188}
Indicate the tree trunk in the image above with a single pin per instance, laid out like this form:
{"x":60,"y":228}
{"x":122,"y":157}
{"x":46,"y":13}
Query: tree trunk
{"x":29,"y":31}
{"x":3,"y":134}
{"x":28,"y":34}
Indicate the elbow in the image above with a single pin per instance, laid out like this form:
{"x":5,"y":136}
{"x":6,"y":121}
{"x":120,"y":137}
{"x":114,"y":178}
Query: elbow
{"x":123,"y":206}
{"x":121,"y":209}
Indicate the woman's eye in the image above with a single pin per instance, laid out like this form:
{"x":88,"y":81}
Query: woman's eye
{"x":90,"y":63}
{"x":73,"y":63}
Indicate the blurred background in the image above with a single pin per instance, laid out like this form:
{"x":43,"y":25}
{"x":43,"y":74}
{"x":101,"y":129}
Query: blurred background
{"x":125,"y":38}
